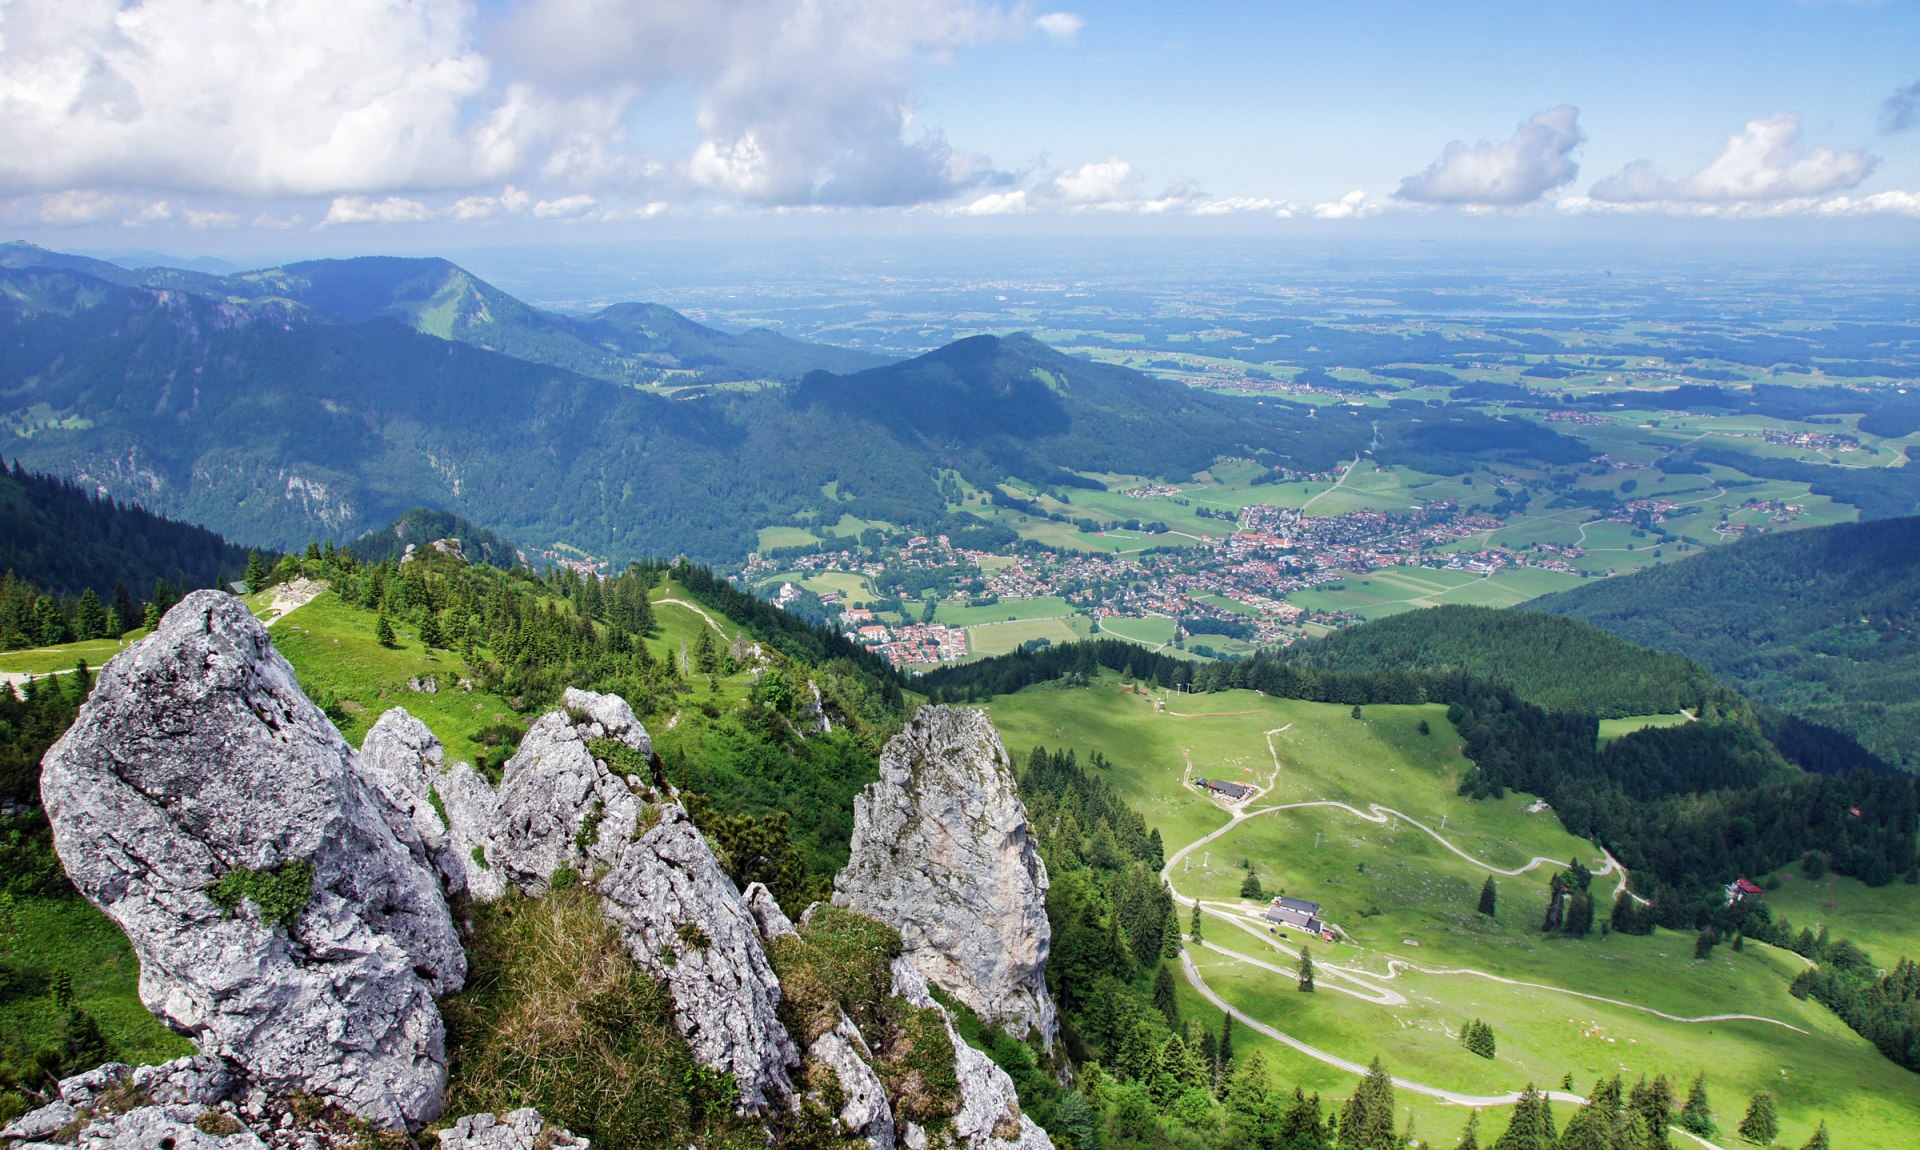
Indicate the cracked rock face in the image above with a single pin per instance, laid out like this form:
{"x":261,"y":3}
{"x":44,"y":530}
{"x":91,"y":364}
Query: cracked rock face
{"x":520,"y":1130}
{"x":558,"y":805}
{"x":402,"y":758}
{"x":990,"y":1116}
{"x":942,"y":852}
{"x":682,"y":919}
{"x":197,"y":754}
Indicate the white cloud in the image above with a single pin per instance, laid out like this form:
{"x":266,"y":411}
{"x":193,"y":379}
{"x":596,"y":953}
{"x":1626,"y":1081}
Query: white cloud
{"x":1097,"y":184}
{"x":1352,"y":206}
{"x":1765,"y":161}
{"x":80,"y":206}
{"x":1235,"y":204}
{"x":1059,"y":25}
{"x":1880,"y":203}
{"x":364,"y":210}
{"x":1537,"y":158}
{"x":564,"y":208}
{"x":996,"y":204}
{"x":204,"y":220}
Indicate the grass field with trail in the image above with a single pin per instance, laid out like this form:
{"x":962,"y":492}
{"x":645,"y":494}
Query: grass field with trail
{"x":1884,"y":920}
{"x":985,"y":639}
{"x":1404,"y":898}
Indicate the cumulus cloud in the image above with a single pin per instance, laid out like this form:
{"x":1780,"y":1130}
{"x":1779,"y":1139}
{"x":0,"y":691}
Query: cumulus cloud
{"x":80,"y":206}
{"x":1102,"y":182}
{"x":1232,"y":205}
{"x":798,"y":103}
{"x":1354,"y":205}
{"x":365,"y":210}
{"x":1536,"y":159}
{"x":1893,"y":203}
{"x":1901,"y":110}
{"x":1765,"y":161}
{"x":1059,"y":25}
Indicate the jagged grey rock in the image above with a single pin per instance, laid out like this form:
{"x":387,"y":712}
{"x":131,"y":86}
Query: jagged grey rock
{"x":681,"y":917}
{"x":942,"y":851}
{"x":520,"y":1130}
{"x":41,"y":1123}
{"x":558,"y":805}
{"x":473,"y":810}
{"x":405,"y":760}
{"x":198,"y":754}
{"x":864,"y":1110}
{"x":197,"y":1080}
{"x":767,"y":915}
{"x":147,"y":1127}
{"x":990,"y":1116}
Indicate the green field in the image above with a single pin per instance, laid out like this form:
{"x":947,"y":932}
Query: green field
{"x":47,"y":660}
{"x":1416,"y":960}
{"x":1148,"y":631}
{"x":774,"y":537}
{"x":1391,"y":590}
{"x":998,"y":638}
{"x":963,"y":615}
{"x":1611,"y":729}
{"x":1885,"y":920}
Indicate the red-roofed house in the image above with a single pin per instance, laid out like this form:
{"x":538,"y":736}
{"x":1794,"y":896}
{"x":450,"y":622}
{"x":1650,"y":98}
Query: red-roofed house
{"x":1740,"y":890}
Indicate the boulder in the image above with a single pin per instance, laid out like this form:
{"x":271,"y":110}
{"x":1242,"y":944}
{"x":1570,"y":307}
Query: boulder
{"x":558,"y":804}
{"x":473,"y":810}
{"x":197,"y":759}
{"x":520,"y":1130}
{"x":942,"y":851}
{"x":864,"y":1110}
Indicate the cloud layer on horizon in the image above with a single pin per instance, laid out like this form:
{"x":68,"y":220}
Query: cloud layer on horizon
{"x":1521,"y":170}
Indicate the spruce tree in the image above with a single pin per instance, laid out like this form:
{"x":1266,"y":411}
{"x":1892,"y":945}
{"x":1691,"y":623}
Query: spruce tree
{"x":1819,"y":1139}
{"x":1762,"y":1123}
{"x":1304,"y":974}
{"x":1170,"y":933}
{"x":1223,"y":1065}
{"x":256,"y":575}
{"x":1696,"y":1117}
{"x":1653,"y":1101}
{"x":1163,"y":999}
{"x":1469,"y":1137}
{"x":430,"y":633}
{"x":1250,"y":887}
{"x":1193,"y":928}
{"x":383,"y":630}
{"x":1367,"y":1120}
{"x":1532,"y":1125}
{"x":1487,"y":897}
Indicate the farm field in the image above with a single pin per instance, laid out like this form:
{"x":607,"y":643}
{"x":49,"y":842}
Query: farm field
{"x":986,"y":639}
{"x":1880,"y":919}
{"x":1415,"y":960}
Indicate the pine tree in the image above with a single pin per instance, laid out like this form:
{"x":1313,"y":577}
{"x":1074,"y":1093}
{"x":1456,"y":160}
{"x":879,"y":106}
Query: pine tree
{"x":1487,"y":897}
{"x":1696,"y":1117}
{"x":1532,"y":1125}
{"x":1819,"y":1139}
{"x":383,"y":630}
{"x":1597,"y":1125}
{"x":1762,"y":1123}
{"x":1304,"y":974}
{"x":1223,"y":1065}
{"x":1170,"y":933}
{"x":1193,"y":928}
{"x":90,"y":617}
{"x":1163,"y":998}
{"x":1357,"y":712}
{"x":1367,"y":1120}
{"x":1250,"y":887}
{"x":1469,"y":1137}
{"x":430,"y":633}
{"x":256,"y":575}
{"x":1653,"y":1102}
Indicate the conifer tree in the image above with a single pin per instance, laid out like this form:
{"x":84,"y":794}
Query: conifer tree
{"x":1250,"y":887}
{"x":1819,"y":1139}
{"x":1696,"y":1117}
{"x":1193,"y":928}
{"x":256,"y":575}
{"x":1304,"y":974}
{"x":1170,"y":933}
{"x":1487,"y":897}
{"x":1653,"y":1102}
{"x":1367,"y":1120}
{"x":1762,"y":1123}
{"x":1163,"y":999}
{"x":1223,"y":1064}
{"x":1470,"y":1137}
{"x":430,"y":633}
{"x":90,"y":617}
{"x":383,"y":630}
{"x":1532,"y":1125}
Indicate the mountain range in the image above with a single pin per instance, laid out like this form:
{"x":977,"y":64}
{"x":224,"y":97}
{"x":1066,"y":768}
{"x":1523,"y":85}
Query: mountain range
{"x":322,"y":399}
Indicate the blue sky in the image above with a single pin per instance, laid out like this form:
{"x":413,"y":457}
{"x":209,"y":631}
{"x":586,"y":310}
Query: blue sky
{"x":237,"y":126}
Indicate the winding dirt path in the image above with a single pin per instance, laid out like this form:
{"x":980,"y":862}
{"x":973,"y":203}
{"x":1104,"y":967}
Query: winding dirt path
{"x":697,"y":610}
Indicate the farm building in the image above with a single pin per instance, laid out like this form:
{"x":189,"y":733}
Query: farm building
{"x":1232,"y":792}
{"x":1740,"y":890}
{"x":1297,"y":913}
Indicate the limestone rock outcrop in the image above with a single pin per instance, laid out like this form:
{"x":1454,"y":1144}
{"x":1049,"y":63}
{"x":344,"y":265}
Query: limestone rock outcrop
{"x":405,"y":760}
{"x":942,"y":851}
{"x":521,"y":1130}
{"x":198,"y":759}
{"x":990,"y":1117}
{"x":680,"y":916}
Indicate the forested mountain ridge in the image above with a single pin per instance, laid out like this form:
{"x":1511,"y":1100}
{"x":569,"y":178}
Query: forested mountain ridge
{"x":1824,"y":623}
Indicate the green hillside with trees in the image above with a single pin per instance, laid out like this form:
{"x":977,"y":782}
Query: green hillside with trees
{"x":1823,"y":623}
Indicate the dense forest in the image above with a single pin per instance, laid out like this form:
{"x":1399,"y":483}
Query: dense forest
{"x":1823,"y":623}
{"x":66,"y":538}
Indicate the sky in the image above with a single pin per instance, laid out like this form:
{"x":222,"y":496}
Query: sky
{"x":331,"y":126}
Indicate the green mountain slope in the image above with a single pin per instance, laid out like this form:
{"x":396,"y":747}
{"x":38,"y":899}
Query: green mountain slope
{"x":1824,"y":623}
{"x":1560,"y":664}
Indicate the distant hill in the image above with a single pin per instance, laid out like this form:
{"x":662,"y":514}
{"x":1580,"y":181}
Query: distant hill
{"x":1557,"y":663}
{"x":65,"y":538}
{"x":423,"y":525}
{"x":1824,"y":623}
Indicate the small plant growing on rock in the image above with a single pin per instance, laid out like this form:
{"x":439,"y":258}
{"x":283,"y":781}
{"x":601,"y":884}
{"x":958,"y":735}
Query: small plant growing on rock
{"x":218,"y":1123}
{"x":692,"y":936}
{"x":280,"y":894}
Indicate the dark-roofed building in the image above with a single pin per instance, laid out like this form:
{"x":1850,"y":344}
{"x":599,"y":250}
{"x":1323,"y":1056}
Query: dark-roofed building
{"x":1232,"y":792}
{"x":1297,"y":913}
